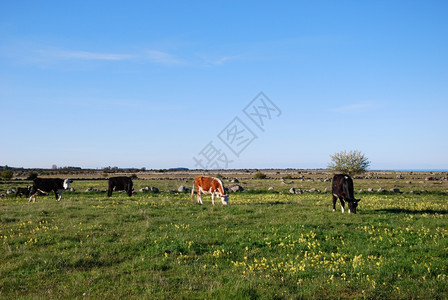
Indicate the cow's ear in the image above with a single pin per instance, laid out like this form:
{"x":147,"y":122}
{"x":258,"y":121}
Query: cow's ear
{"x":357,"y":200}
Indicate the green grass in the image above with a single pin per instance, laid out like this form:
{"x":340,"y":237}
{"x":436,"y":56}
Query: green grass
{"x":263,"y":245}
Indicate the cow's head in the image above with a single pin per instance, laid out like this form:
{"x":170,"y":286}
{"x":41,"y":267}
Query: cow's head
{"x":352,"y":205}
{"x":66,"y":184}
{"x":224,"y":199}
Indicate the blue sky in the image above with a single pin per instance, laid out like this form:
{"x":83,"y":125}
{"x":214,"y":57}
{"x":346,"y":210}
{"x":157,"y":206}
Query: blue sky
{"x":151,"y":83}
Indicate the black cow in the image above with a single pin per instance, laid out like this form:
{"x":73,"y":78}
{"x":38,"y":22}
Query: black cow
{"x":23,"y":191}
{"x":120,"y":183}
{"x":46,"y":185}
{"x":342,"y":188}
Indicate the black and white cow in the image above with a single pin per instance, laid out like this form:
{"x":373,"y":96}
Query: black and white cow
{"x":120,"y":183}
{"x":46,"y":185}
{"x":23,"y":191}
{"x":342,"y":188}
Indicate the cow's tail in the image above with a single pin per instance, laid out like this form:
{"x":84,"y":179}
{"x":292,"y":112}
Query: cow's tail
{"x":192,"y":192}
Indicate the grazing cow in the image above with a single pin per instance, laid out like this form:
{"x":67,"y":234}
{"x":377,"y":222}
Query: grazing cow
{"x":209,"y":185}
{"x":10,"y":191}
{"x":120,"y":183}
{"x":342,"y":188}
{"x":46,"y":185}
{"x":23,"y":191}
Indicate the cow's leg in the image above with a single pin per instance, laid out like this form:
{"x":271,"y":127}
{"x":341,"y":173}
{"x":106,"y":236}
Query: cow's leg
{"x":199,"y":195}
{"x":192,"y":193}
{"x":335,"y":199}
{"x":56,"y":194}
{"x":213,"y":198}
{"x":342,"y":205}
{"x":33,"y":197}
{"x":110,"y":189}
{"x":60,"y":195}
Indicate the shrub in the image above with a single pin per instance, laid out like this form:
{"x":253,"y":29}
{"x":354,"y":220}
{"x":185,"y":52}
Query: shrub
{"x":259,"y":175}
{"x":32,"y":176}
{"x":6,"y":174}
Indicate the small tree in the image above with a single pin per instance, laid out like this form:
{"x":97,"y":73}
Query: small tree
{"x":260,"y":175}
{"x":6,"y":174}
{"x":351,"y":163}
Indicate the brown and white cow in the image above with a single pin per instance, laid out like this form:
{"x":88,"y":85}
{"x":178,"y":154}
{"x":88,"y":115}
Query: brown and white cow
{"x":209,"y":185}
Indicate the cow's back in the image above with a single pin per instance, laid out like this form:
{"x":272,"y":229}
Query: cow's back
{"x":336,"y":184}
{"x":209,"y":183}
{"x":342,"y":185}
{"x":48,"y":184}
{"x":203,"y":182}
{"x":120,"y":181}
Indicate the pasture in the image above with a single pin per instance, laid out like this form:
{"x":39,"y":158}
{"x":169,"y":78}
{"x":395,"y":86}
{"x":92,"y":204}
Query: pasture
{"x":264,"y":245}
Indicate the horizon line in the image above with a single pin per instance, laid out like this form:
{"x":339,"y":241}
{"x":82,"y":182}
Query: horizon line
{"x":217,"y":170}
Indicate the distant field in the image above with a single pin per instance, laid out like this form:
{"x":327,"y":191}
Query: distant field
{"x":281,"y":180}
{"x":267,"y":245}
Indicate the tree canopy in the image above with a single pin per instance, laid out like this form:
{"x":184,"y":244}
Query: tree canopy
{"x":351,"y":163}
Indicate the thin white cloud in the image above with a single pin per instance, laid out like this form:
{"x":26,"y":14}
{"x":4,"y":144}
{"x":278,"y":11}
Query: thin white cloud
{"x":161,"y":57}
{"x":356,"y":107}
{"x":210,"y":60}
{"x":47,"y":56}
{"x":86,"y":55}
{"x":154,"y":56}
{"x":222,"y":60}
{"x":82,"y":55}
{"x":100,"y":104}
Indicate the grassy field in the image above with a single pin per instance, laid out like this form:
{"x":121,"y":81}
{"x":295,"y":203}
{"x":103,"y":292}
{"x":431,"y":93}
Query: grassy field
{"x":264,"y":245}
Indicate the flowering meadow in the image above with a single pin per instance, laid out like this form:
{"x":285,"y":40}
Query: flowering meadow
{"x":264,"y":245}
